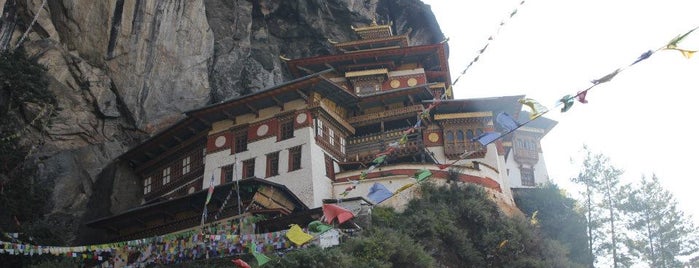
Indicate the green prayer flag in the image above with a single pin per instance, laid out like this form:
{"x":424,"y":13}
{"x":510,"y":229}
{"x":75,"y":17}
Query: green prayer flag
{"x":422,"y":175}
{"x":261,"y":258}
{"x":379,"y":160}
{"x":318,"y":227}
{"x":568,"y":102}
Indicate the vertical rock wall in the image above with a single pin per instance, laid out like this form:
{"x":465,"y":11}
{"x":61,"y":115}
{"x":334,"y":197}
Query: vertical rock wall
{"x":124,"y":69}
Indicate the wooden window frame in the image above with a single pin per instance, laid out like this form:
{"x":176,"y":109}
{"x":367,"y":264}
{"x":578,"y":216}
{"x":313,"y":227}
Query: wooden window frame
{"x":147,"y":185}
{"x":227,"y":174}
{"x":329,"y":167}
{"x":286,"y":129}
{"x":526,"y":181}
{"x":248,"y":168}
{"x":186,"y":164}
{"x":166,"y":175}
{"x":295,"y":158}
{"x":240,"y":143}
{"x":272,"y":168}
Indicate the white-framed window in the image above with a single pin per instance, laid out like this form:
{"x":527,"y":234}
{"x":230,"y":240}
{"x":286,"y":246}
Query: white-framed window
{"x":185,"y":165}
{"x":320,"y":128}
{"x":342,"y":145}
{"x":166,"y":175}
{"x":146,"y":185}
{"x":331,"y":136}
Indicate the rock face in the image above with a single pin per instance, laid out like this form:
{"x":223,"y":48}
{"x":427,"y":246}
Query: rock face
{"x":124,"y":69}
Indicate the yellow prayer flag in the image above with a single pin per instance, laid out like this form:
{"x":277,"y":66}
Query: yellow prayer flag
{"x":404,"y":187}
{"x":297,"y":236}
{"x":687,"y":53}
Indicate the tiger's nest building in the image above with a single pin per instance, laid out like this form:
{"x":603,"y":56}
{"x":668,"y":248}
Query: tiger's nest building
{"x":296,"y":144}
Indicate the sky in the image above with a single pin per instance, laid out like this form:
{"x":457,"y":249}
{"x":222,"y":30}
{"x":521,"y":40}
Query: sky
{"x":642,"y":119}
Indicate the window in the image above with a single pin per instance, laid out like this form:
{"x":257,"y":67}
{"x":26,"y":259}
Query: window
{"x":227,"y":174}
{"x":342,"y":145}
{"x":146,"y":185}
{"x":249,"y":168}
{"x":450,"y":137}
{"x":166,"y":175}
{"x":527,"y":177}
{"x":331,"y":136}
{"x":295,"y":158}
{"x":460,"y":135}
{"x":286,"y":130}
{"x":185,"y":165}
{"x":329,"y":167}
{"x":272,"y":164}
{"x":241,"y":141}
{"x":320,"y":128}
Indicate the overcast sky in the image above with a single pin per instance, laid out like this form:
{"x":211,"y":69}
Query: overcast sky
{"x":642,"y":119}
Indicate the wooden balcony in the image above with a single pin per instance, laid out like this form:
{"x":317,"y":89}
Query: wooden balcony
{"x":365,"y":148}
{"x":523,"y":155}
{"x":455,"y":150}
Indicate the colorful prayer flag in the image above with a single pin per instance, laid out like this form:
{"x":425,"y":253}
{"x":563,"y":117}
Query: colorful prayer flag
{"x":318,"y":227}
{"x":581,"y":96}
{"x":261,"y":258}
{"x":643,"y":56}
{"x":606,"y":78}
{"x":568,"y":102}
{"x":422,"y":174}
{"x":379,"y":160}
{"x":330,"y":212}
{"x":487,"y":137}
{"x":535,"y":106}
{"x":241,"y":263}
{"x":211,"y":190}
{"x":506,"y":122}
{"x":404,"y":187}
{"x":297,"y":236}
{"x":378,"y":193}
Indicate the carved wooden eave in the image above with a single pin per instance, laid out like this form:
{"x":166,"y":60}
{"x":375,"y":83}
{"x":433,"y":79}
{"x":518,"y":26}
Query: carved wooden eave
{"x":358,"y":45}
{"x":434,"y":56}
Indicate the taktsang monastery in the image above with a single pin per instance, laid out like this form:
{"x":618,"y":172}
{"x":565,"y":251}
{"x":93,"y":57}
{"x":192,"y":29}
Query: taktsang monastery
{"x":287,"y":149}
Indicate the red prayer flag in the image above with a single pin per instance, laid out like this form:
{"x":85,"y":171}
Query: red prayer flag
{"x":581,"y":96}
{"x":331,"y":212}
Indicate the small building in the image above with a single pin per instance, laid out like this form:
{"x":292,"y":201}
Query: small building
{"x":526,"y":167}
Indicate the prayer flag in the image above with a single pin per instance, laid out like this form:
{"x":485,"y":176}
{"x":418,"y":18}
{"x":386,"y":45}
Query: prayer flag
{"x":606,"y":78}
{"x":535,"y":106}
{"x":404,"y":187}
{"x":330,"y":212}
{"x":211,"y":190}
{"x":568,"y":102}
{"x":422,"y":174}
{"x":506,"y":121}
{"x":673,"y":43}
{"x":581,"y":96}
{"x":643,"y":56}
{"x":261,"y":258}
{"x":318,"y":227}
{"x":297,"y":236}
{"x":488,"y":137}
{"x":241,"y":263}
{"x":378,"y":193}
{"x":403,"y":140}
{"x":379,"y":160}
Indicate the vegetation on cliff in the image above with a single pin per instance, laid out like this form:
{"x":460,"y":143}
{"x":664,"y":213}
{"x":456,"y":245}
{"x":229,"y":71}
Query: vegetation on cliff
{"x":450,"y":226}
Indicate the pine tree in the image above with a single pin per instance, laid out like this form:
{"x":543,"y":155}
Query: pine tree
{"x":602,"y":197}
{"x":661,"y":231}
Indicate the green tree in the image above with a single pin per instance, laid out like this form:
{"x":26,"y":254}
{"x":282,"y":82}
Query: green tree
{"x":559,"y":217}
{"x":602,"y":198}
{"x":661,"y":231}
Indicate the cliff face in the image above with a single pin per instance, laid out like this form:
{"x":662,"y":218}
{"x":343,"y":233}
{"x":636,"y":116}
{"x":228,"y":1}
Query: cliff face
{"x":125,"y":69}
